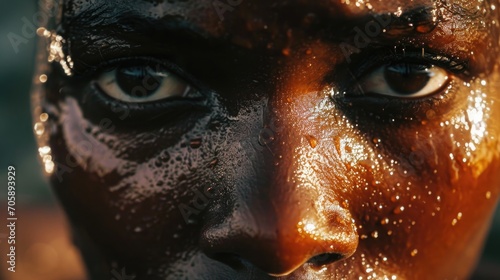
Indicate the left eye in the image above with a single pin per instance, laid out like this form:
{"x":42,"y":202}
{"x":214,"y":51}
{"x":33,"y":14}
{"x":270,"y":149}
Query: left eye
{"x":137,"y":84}
{"x":405,"y":80}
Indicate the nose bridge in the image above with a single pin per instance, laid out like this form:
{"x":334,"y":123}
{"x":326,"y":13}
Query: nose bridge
{"x":283,"y":214}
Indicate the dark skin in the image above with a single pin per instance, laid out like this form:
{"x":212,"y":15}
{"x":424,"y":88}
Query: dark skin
{"x":312,"y":165}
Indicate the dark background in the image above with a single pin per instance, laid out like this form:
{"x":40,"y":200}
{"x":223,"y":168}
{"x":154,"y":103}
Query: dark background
{"x":44,"y":249}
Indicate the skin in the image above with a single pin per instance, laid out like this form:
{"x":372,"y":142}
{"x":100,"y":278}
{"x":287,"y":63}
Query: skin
{"x":289,"y":168}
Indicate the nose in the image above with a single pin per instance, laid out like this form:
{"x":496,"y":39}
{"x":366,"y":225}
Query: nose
{"x":279,"y":223}
{"x":286,"y":209}
{"x":280,"y":242}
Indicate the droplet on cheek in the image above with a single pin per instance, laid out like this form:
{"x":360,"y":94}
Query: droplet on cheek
{"x":313,"y":142}
{"x":414,"y":252}
{"x":266,"y":136}
{"x":488,"y":195}
{"x":195,"y":143}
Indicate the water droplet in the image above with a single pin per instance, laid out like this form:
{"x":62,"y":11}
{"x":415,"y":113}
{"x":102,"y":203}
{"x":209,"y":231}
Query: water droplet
{"x":366,"y":163}
{"x":138,"y":229}
{"x":117,"y":217}
{"x":313,"y":142}
{"x":195,"y":143}
{"x":425,"y":28}
{"x":165,"y":157}
{"x":454,"y":222}
{"x":45,"y":150}
{"x":336,"y":141}
{"x":44,"y":117}
{"x":39,"y":128}
{"x":398,"y":210}
{"x":375,"y":234}
{"x":430,"y":114}
{"x":43,"y":78}
{"x":488,"y":195}
{"x":286,"y":51}
{"x":414,"y":252}
{"x":266,"y":136}
{"x":384,"y":221}
{"x":213,"y":162}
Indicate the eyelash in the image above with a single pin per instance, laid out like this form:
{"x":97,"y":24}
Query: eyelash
{"x":137,"y":112}
{"x":389,"y":109}
{"x":372,"y":58}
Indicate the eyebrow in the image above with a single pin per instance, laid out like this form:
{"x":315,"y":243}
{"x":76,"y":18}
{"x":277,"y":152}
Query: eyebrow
{"x":100,"y":25}
{"x":99,"y":33}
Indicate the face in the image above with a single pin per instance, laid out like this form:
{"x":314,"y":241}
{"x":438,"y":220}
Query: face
{"x":264,"y":140}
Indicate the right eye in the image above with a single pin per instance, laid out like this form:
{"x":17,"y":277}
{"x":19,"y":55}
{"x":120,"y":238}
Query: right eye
{"x":139,"y":84}
{"x":406,"y":80}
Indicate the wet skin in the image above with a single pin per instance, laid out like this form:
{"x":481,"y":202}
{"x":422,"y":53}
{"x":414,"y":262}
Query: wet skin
{"x":288,"y":157}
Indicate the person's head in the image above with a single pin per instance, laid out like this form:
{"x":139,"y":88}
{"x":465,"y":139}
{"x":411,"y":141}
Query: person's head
{"x":252,"y":139}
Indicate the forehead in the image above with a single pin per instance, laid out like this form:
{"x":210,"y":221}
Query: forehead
{"x":254,"y":23}
{"x":222,"y":14}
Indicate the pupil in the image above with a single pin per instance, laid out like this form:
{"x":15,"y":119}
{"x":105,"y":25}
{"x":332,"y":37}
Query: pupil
{"x":137,"y":82}
{"x":407,"y":78}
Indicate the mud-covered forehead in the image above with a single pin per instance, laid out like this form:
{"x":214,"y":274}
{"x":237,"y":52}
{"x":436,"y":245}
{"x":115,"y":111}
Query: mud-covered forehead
{"x":463,"y":29}
{"x":216,"y":17}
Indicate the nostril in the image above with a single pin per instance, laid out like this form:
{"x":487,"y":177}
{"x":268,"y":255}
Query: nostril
{"x":232,"y":260}
{"x":324,"y":259}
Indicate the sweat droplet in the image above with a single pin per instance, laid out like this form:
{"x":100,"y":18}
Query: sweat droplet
{"x":286,"y":52}
{"x":430,"y":114}
{"x":266,"y":136}
{"x":414,"y":252}
{"x":398,"y":210}
{"x":44,"y":117}
{"x":43,"y":78}
{"x":195,"y":143}
{"x":425,"y":28}
{"x":163,"y":158}
{"x":313,"y":142}
{"x":213,"y":162}
{"x":39,"y":128}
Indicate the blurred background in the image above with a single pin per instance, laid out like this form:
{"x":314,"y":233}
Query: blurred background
{"x":43,"y":244}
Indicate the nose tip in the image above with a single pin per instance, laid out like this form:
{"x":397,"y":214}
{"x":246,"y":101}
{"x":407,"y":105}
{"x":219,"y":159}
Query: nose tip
{"x":279,"y":252}
{"x":272,"y":268}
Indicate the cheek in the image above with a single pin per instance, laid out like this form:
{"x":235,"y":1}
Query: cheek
{"x":131,"y":188}
{"x":419,"y":193}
